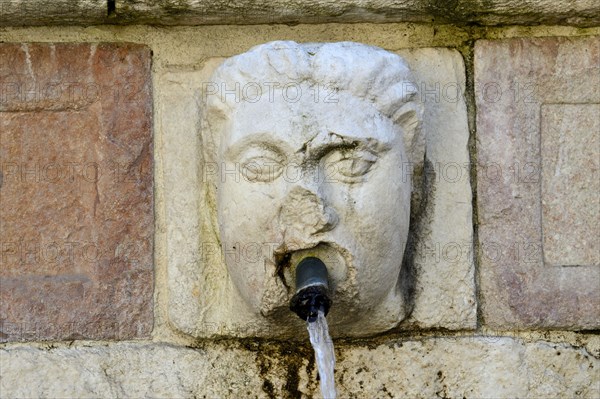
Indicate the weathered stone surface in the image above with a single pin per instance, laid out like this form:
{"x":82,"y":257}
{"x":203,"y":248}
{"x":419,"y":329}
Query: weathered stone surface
{"x":570,"y":152}
{"x":443,"y":238}
{"x":189,"y":246}
{"x":197,"y":12}
{"x":444,"y":293}
{"x":469,"y":367}
{"x":76,"y":208}
{"x":318,"y":161}
{"x":537,"y":148}
{"x":46,"y":12}
{"x":582,"y":13}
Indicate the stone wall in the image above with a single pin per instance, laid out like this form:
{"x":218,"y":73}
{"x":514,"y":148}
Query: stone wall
{"x":92,"y":120}
{"x":583,"y":13}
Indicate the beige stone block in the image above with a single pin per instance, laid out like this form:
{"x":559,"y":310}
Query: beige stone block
{"x":537,"y":180}
{"x":443,"y":240}
{"x":462,"y":367}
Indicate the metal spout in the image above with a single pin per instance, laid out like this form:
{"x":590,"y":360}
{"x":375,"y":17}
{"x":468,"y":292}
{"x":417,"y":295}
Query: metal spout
{"x":312,"y":289}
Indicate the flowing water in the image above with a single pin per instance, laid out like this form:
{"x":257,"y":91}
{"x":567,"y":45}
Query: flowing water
{"x":323,"y":345}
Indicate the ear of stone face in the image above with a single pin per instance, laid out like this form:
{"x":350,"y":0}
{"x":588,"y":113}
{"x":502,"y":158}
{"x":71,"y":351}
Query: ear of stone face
{"x":409,"y":117}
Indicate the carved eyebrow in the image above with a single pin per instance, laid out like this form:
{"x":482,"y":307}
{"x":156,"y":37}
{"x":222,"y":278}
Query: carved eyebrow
{"x":347,"y":142}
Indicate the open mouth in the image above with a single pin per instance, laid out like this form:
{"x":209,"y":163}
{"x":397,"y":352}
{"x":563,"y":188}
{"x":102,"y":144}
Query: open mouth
{"x":283,"y":262}
{"x":334,"y":258}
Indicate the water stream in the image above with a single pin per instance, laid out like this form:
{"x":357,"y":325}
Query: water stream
{"x":323,"y":346}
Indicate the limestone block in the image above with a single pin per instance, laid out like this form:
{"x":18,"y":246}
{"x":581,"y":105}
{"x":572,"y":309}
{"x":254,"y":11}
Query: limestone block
{"x":76,"y":189}
{"x":64,"y":12}
{"x":467,"y":367}
{"x":128,"y":370}
{"x":538,"y":135}
{"x":495,"y":12}
{"x":200,"y":12}
{"x":478,"y":367}
{"x":443,"y":237}
{"x":440,"y":245}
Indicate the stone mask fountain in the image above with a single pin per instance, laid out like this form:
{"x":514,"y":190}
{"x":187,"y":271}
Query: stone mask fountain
{"x":311,"y":143}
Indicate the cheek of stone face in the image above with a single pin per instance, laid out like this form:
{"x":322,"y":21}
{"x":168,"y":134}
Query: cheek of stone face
{"x":246,"y":212}
{"x":378,"y":221}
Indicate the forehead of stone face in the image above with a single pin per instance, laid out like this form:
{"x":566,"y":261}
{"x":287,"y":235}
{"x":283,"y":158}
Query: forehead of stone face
{"x":293,"y":124}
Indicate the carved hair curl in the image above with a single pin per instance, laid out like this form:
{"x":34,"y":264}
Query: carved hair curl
{"x":367,"y":72}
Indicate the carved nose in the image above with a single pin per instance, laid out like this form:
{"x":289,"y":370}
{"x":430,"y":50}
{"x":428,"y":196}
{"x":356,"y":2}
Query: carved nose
{"x":305,"y":212}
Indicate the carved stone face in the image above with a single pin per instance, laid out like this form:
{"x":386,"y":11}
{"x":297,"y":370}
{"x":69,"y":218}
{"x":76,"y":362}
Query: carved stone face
{"x":314,"y":177}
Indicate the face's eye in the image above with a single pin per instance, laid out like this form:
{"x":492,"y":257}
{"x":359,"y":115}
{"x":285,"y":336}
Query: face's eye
{"x":262,"y":167}
{"x":348,"y":165}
